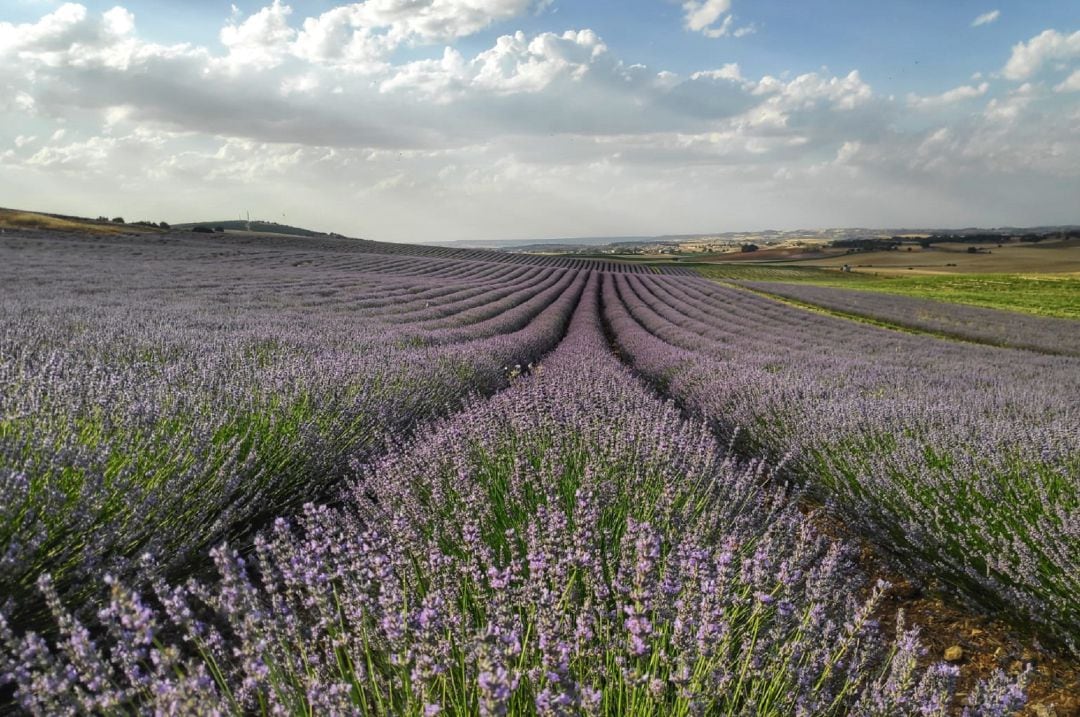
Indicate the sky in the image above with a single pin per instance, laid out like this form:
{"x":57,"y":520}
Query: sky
{"x":436,"y":120}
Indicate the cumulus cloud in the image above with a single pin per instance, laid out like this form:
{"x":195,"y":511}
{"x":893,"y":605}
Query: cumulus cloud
{"x":730,"y":71}
{"x":811,"y":89}
{"x":340,"y":38}
{"x":68,"y":35}
{"x":986,"y":18}
{"x":950,"y":97}
{"x":702,"y":15}
{"x":515,"y":64}
{"x":712,"y":18}
{"x":1030,"y":57}
{"x":262,"y":40}
{"x":437,"y":20}
{"x":1070,"y":84}
{"x":1008,"y":109}
{"x":360,"y":36}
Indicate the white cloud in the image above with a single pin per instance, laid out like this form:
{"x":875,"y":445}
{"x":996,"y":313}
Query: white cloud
{"x":262,"y":40}
{"x":118,"y":21}
{"x":712,"y":18}
{"x":92,"y":155}
{"x":701,"y":14}
{"x":340,"y":38}
{"x":516,"y":64}
{"x":729,"y":71}
{"x":302,"y":84}
{"x":52,"y":39}
{"x":440,"y":79}
{"x":360,"y":36}
{"x":1048,"y":46}
{"x":551,"y":128}
{"x":950,"y":97}
{"x":1070,"y":84}
{"x":812,"y":89}
{"x":55,"y":31}
{"x":848,"y":152}
{"x":1006,"y":110}
{"x":437,"y":20}
{"x":25,"y":102}
{"x":986,"y":18}
{"x":71,"y":37}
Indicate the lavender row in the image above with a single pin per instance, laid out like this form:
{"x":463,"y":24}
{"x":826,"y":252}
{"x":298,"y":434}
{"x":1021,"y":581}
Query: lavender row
{"x":991,"y":326}
{"x":332,"y":253}
{"x":441,"y":301}
{"x":167,"y":405}
{"x":962,"y":460}
{"x":494,"y":303}
{"x":506,"y":315}
{"x":570,"y":546}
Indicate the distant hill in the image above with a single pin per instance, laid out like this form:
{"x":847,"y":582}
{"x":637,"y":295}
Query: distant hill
{"x":768,"y":236}
{"x":43,"y":221}
{"x":541,"y":244}
{"x":258,"y":227}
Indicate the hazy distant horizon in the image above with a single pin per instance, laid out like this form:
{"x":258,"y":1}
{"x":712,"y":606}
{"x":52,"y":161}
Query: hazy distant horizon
{"x":448,"y":120}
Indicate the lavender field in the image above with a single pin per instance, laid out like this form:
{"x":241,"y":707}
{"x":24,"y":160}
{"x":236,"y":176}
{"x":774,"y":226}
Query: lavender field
{"x":971,"y":323}
{"x":255,"y":475}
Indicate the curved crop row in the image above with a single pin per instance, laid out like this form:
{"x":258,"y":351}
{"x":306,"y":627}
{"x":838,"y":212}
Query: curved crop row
{"x":494,"y":303}
{"x":444,"y":292}
{"x":513,"y":313}
{"x":572,"y":545}
{"x":963,"y":460}
{"x":139,"y":416}
{"x":975,"y":323}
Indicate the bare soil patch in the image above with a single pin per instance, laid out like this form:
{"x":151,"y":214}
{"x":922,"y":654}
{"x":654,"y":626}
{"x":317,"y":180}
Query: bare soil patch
{"x":1049,"y":256}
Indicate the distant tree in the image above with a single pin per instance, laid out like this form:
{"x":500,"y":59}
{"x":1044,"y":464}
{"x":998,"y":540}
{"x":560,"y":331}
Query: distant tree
{"x":202,"y":230}
{"x":749,"y":247}
{"x":163,"y":225}
{"x":865,"y":244}
{"x":219,"y":230}
{"x":117,"y":220}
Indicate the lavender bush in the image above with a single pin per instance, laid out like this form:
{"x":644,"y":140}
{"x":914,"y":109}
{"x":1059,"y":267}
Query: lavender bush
{"x":974,"y":323}
{"x":163,"y":406}
{"x":961,"y":460}
{"x":571,"y":545}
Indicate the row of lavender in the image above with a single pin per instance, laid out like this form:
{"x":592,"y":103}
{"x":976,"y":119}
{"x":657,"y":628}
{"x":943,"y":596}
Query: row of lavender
{"x":973,"y":323}
{"x":163,"y":405}
{"x":570,"y":546}
{"x":962,"y":460}
{"x":336,"y":251}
